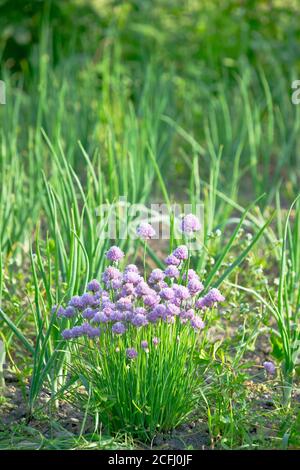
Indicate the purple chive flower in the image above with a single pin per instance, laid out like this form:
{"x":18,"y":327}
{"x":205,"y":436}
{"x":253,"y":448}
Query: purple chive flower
{"x":139,"y":320}
{"x":127,"y":289}
{"x":60,"y":311}
{"x":67,"y":334}
{"x":158,"y":311}
{"x":107,"y":310}
{"x":93,"y":285}
{"x":90,"y":331}
{"x":144,"y":345}
{"x":152,"y":317}
{"x":128,"y":315}
{"x":181,"y":292}
{"x":88,"y":300}
{"x":140,"y":310}
{"x":181,"y":252}
{"x":74,"y":332}
{"x":172,"y":272}
{"x":171,"y":259}
{"x":156,"y":275}
{"x":190,"y":224}
{"x":159,"y":286}
{"x":76,"y":302}
{"x":131,"y":353}
{"x":124,"y":303}
{"x":114,"y":254}
{"x":171,"y":310}
{"x":132,"y":277}
{"x":197,"y":323}
{"x":151,"y":300}
{"x":177,"y":301}
{"x":104,"y":296}
{"x":269,"y":367}
{"x":155,"y":341}
{"x":111,"y":273}
{"x":118,"y":328}
{"x":195,"y":286}
{"x":187,"y":314}
{"x":212,"y":297}
{"x":131,"y":268}
{"x":100,"y":317}
{"x":191,"y":275}
{"x":107,"y":303}
{"x":143,"y":289}
{"x":145,"y":231}
{"x":116,"y":284}
{"x":167,"y":293}
{"x":69,"y":312}
{"x":200,"y":303}
{"x":117,"y":315}
{"x":93,"y":333}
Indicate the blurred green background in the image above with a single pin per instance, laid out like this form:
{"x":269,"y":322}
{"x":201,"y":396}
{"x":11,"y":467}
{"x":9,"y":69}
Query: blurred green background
{"x":213,"y":73}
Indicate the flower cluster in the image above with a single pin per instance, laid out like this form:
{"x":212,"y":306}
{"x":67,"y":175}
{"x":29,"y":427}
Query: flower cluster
{"x":190,"y":224}
{"x":124,"y":300}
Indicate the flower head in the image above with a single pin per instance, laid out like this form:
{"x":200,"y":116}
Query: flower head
{"x":69,"y":312}
{"x":145,"y":231}
{"x":171,"y":259}
{"x":117,"y":315}
{"x":181,"y":252}
{"x":181,"y":292}
{"x":93,"y":286}
{"x":151,"y":299}
{"x":143,"y":289}
{"x":67,"y":334}
{"x":131,"y":268}
{"x":139,"y":320}
{"x":190,"y":224}
{"x":92,"y":332}
{"x":167,"y":293}
{"x":197,"y":323}
{"x":60,"y":311}
{"x":100,"y":317}
{"x":156,"y":275}
{"x":118,"y":328}
{"x":212,"y":297}
{"x":88,"y":300}
{"x":195,"y":286}
{"x":132,"y":277}
{"x":131,"y":353}
{"x":190,"y":275}
{"x":269,"y":367}
{"x":76,"y":302}
{"x":157,"y":312}
{"x":172,"y":272}
{"x":114,"y":254}
{"x":172,"y":309}
{"x":145,"y":346}
{"x":88,"y":313}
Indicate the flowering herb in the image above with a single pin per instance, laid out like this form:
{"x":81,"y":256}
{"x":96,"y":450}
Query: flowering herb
{"x":118,"y":320}
{"x":269,"y":367}
{"x":190,"y":224}
{"x":145,"y":231}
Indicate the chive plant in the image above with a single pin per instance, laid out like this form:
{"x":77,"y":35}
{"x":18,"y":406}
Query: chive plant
{"x":132,"y":342}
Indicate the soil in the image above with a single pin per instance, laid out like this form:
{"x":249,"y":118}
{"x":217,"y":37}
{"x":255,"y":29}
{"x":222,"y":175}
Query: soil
{"x":193,"y":435}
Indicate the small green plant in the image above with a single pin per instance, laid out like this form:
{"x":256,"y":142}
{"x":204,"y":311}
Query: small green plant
{"x":286,"y":304}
